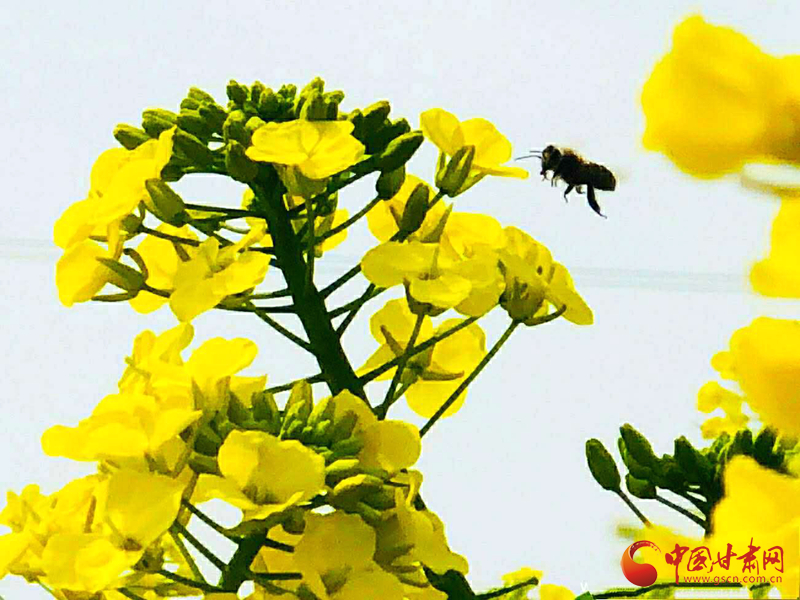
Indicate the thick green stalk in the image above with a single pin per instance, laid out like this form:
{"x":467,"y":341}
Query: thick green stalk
{"x":307,"y":299}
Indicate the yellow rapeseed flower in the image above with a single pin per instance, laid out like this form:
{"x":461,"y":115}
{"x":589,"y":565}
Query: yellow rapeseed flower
{"x":764,"y":358}
{"x":716,"y":101}
{"x":492,"y":148}
{"x":779,"y":274}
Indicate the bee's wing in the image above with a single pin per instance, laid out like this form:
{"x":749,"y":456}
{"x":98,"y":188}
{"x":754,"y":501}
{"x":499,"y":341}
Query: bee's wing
{"x":776,"y":178}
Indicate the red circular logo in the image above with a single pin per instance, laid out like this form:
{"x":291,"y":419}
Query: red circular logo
{"x":641,"y":574}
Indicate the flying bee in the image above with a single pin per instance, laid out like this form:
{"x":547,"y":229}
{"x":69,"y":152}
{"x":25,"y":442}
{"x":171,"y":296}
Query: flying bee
{"x":576,"y":172}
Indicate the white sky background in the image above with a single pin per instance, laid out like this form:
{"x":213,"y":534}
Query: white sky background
{"x":507,"y":474}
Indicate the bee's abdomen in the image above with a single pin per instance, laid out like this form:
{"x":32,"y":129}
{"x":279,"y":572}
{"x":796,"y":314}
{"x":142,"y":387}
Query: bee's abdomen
{"x":600,"y":177}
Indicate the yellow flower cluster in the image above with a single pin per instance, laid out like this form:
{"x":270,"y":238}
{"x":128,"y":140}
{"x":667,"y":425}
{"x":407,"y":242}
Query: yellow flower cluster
{"x":179,"y":433}
{"x":713,"y":104}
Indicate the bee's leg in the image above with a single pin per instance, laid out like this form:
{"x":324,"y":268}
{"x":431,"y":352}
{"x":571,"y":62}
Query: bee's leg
{"x":593,"y":200}
{"x":570,"y":187}
{"x":579,"y":189}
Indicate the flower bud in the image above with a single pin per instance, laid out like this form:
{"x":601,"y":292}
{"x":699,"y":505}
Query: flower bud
{"x":168,"y":206}
{"x":192,"y":148}
{"x":389,"y":183}
{"x":375,"y":115}
{"x":269,"y":105}
{"x":698,"y":468}
{"x":207,"y":441}
{"x":314,"y":108}
{"x":640,"y":488}
{"x":130,"y":137}
{"x":256,"y":90}
{"x":346,"y":448}
{"x":254,"y":123}
{"x":264,"y":407}
{"x":189,"y":104}
{"x":742,"y":443}
{"x":323,"y":411}
{"x":234,"y":128}
{"x":451,"y":180}
{"x":123,"y":276}
{"x":213,"y":115}
{"x":764,"y":450}
{"x":342,"y":469}
{"x":399,"y":151}
{"x":343,"y":427}
{"x":237,"y":164}
{"x":522,"y":299}
{"x":639,"y":448}
{"x":157,"y":120}
{"x":192,"y":122}
{"x":237,"y":93}
{"x":415,"y":210}
{"x":238,"y":413}
{"x":322,"y":433}
{"x":602,"y":465}
{"x":200,"y":95}
{"x":204,"y":464}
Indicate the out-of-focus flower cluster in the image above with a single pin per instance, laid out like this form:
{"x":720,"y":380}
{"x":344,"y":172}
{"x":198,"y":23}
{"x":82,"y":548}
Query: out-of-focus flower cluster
{"x":713,"y":105}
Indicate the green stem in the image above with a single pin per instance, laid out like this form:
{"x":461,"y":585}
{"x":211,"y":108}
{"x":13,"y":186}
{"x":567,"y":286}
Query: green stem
{"x":355,"y":305}
{"x":186,"y":581}
{"x":187,"y":557}
{"x":328,"y":234}
{"x":279,"y":294}
{"x":509,"y":589}
{"x":683,"y":511}
{"x":210,"y":556}
{"x":632,"y":506}
{"x":430,"y":342}
{"x":307,"y":300}
{"x":368,"y":295}
{"x":632,"y":593}
{"x":238,"y":569}
{"x":311,"y":250}
{"x":389,"y":399}
{"x":285,"y":387}
{"x":262,"y":314}
{"x":166,"y":236}
{"x":233,"y":212}
{"x":332,"y":287}
{"x":205,"y":518}
{"x":469,"y":379}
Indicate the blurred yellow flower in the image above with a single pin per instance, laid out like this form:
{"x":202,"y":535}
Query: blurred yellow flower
{"x":779,"y":274}
{"x":717,"y":101}
{"x":764,"y":358}
{"x":492,"y":148}
{"x":713,"y":396}
{"x":763,"y":506}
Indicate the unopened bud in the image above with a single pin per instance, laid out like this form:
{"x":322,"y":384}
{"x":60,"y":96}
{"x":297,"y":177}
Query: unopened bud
{"x":638,"y":447}
{"x":237,"y":93}
{"x":123,"y":276}
{"x":234,"y":128}
{"x":166,"y":204}
{"x":189,"y":104}
{"x":314,"y":108}
{"x":343,"y":426}
{"x":268,"y":104}
{"x":602,"y":465}
{"x":254,"y":123}
{"x":451,"y":180}
{"x":375,"y":115}
{"x":390,"y":182}
{"x":130,"y":137}
{"x":204,"y":464}
{"x":237,"y":164}
{"x":214,"y":115}
{"x":400,"y":150}
{"x":264,"y":407}
{"x":193,"y":148}
{"x":698,"y":468}
{"x":415,"y":210}
{"x":640,"y":488}
{"x":192,"y":122}
{"x":200,"y":95}
{"x":157,"y":120}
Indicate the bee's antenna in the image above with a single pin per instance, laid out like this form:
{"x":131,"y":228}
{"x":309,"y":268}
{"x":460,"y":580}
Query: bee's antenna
{"x":533,"y":154}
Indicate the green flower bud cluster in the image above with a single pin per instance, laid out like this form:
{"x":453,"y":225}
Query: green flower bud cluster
{"x":354,"y":487}
{"x":691,"y":473}
{"x":374,"y":129}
